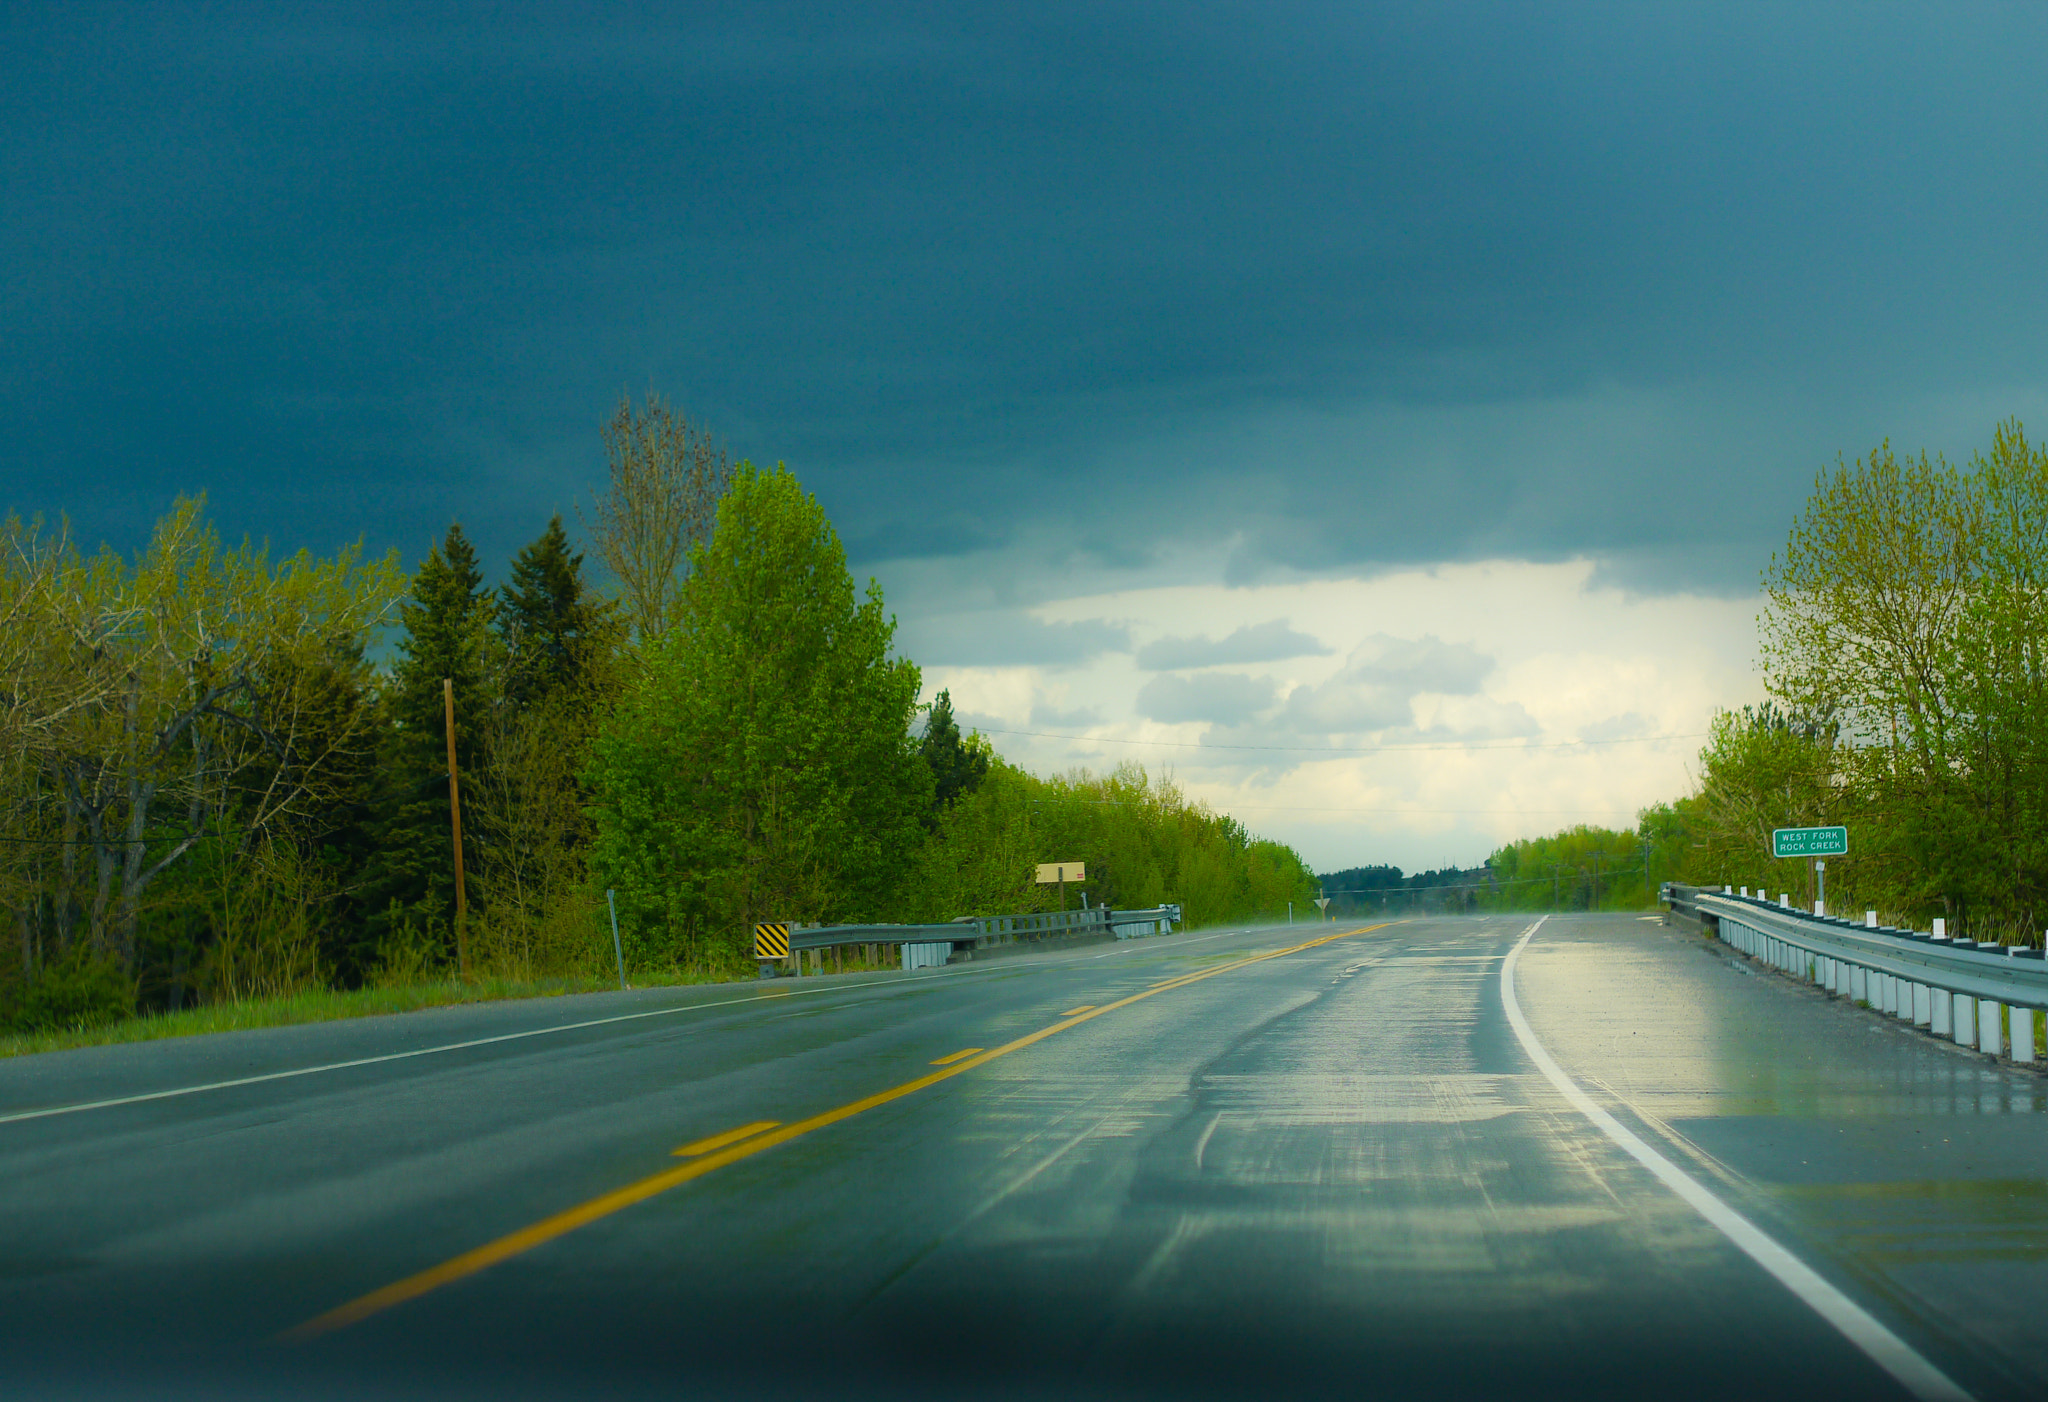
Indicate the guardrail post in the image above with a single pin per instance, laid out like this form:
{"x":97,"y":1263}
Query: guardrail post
{"x":1923,"y":1005}
{"x":1939,"y":1020}
{"x":1990,"y":1036}
{"x":1963,"y":1017}
{"x":1859,"y":984}
{"x":2022,"y":1033}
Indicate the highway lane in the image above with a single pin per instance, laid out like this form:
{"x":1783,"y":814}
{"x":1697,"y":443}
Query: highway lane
{"x":1331,"y":1170}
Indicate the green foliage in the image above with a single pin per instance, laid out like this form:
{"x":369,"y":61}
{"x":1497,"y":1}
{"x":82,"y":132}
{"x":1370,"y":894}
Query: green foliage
{"x":761,"y":766}
{"x":74,"y":993}
{"x":1761,"y":769}
{"x":160,"y":703}
{"x":213,"y":729}
{"x":1910,"y":610}
{"x":1581,"y":868}
{"x":1143,"y":841}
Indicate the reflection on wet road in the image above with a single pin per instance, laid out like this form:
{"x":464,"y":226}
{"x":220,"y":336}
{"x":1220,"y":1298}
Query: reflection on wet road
{"x":1913,"y":1171}
{"x":1332,"y":1171}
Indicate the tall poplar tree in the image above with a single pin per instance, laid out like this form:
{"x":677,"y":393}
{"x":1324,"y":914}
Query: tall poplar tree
{"x":761,"y":767}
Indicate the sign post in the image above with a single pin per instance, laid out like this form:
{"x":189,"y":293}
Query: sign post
{"x":1323,"y":904}
{"x":611,"y":900}
{"x":455,"y":823}
{"x":1059,"y":874}
{"x":1814,"y":843}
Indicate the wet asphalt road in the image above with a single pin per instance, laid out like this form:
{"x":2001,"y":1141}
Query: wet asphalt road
{"x":1335,"y":1171}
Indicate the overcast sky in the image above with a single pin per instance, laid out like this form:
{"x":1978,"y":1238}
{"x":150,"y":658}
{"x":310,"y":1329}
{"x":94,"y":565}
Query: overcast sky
{"x":1281,"y":377}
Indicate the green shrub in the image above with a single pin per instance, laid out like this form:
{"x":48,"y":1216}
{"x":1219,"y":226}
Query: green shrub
{"x":72,"y":994}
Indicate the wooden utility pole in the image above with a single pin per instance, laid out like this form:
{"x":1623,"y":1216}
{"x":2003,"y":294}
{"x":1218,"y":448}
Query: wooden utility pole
{"x":455,"y":820}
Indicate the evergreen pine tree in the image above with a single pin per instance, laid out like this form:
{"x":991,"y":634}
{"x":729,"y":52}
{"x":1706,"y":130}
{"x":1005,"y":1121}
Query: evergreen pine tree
{"x":447,"y":618}
{"x":543,"y":618}
{"x":957,"y":767}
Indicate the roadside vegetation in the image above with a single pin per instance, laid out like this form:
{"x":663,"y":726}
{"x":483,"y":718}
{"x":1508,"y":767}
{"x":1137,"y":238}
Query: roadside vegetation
{"x":224,"y":773}
{"x":1904,"y":645}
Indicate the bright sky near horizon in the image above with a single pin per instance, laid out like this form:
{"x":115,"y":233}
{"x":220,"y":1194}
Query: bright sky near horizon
{"x":1286,"y":377}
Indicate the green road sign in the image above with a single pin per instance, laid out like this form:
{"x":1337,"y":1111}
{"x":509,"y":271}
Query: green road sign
{"x":1810,"y":842}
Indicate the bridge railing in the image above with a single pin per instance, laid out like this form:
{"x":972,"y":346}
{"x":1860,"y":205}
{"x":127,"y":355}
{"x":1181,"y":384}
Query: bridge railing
{"x":922,"y":946}
{"x":1985,"y":996}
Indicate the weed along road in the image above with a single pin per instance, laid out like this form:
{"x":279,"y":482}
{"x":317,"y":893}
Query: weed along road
{"x":1433,"y":1157}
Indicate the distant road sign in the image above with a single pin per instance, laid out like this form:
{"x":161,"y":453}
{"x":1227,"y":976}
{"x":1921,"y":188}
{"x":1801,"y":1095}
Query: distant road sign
{"x":771,"y":941}
{"x":1059,"y":873}
{"x":1810,"y":842}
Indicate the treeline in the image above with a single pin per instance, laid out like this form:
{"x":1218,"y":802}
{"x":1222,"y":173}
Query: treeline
{"x":226,"y":775}
{"x":1367,"y":891}
{"x":1581,"y":868}
{"x":1584,"y":868}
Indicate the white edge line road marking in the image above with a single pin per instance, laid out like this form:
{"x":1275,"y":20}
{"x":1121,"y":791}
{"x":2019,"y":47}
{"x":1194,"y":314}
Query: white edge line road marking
{"x":172,"y":1094}
{"x":1884,"y":1348}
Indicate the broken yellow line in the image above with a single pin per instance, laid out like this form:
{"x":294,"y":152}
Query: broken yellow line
{"x":582,"y":1215}
{"x":719,"y":1141}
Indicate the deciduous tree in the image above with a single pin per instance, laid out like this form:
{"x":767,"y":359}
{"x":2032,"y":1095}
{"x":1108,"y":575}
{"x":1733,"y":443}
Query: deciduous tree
{"x":763,"y":766}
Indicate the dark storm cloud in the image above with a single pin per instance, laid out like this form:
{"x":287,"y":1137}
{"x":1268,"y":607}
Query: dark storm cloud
{"x":1273,"y":641}
{"x":1321,"y":286}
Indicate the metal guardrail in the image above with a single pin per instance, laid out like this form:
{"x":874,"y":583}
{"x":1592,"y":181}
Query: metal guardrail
{"x":1981,"y":995}
{"x":925,"y":945}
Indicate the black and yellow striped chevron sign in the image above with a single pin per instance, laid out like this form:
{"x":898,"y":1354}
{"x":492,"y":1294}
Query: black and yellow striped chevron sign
{"x":771,"y":941}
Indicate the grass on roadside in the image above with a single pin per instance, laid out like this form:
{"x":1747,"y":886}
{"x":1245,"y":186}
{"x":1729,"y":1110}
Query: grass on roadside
{"x":320,"y":1005}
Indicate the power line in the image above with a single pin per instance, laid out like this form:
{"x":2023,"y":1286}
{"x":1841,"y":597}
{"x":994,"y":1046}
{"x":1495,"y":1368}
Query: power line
{"x":1348,"y":749}
{"x":1493,"y":812}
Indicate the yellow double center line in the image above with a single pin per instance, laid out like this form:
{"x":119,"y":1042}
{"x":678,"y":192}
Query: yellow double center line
{"x":562,"y":1223}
